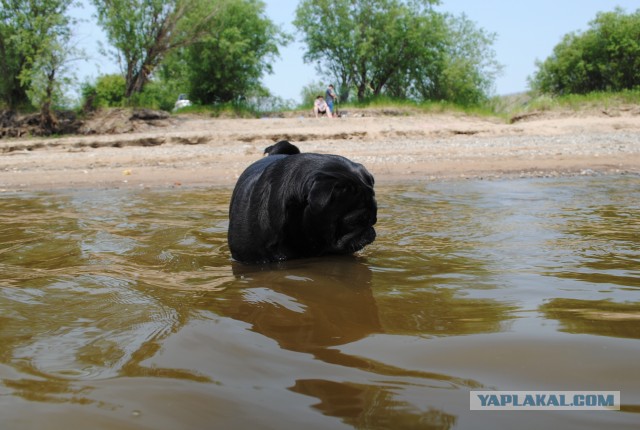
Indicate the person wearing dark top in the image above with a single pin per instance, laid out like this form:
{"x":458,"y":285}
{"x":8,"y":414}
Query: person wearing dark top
{"x":330,"y":97}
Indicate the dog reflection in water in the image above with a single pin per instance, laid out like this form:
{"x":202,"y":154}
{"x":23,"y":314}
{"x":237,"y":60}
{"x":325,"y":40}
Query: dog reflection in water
{"x":297,"y":205}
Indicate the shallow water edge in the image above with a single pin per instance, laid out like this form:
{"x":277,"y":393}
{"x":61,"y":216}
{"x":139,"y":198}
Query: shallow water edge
{"x":122,"y":309}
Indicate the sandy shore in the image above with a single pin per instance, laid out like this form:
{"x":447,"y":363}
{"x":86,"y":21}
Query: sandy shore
{"x":193,"y":151}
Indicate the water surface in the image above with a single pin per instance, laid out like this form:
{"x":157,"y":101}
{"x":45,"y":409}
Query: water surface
{"x":123,"y":310}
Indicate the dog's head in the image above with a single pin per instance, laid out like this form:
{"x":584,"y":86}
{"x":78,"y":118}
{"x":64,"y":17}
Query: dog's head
{"x":341,"y":210}
{"x":282,"y":147}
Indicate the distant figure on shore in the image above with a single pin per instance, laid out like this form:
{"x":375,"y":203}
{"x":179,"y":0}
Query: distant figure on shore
{"x":320,"y":107}
{"x":331,"y":98}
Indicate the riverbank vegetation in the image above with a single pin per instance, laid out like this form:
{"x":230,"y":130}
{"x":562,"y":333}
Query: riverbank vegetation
{"x":385,"y":56}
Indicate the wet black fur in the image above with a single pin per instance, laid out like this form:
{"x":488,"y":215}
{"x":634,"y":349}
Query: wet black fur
{"x":301,"y":205}
{"x":282,"y":147}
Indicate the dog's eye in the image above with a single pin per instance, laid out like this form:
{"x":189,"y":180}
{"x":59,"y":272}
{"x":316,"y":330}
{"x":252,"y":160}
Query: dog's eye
{"x":342,"y":188}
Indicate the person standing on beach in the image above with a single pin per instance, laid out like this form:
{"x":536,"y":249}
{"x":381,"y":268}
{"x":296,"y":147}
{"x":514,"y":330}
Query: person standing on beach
{"x":331,"y":97}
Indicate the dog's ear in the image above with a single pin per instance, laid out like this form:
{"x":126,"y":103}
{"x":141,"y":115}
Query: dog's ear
{"x":326,"y":189}
{"x":321,"y":192}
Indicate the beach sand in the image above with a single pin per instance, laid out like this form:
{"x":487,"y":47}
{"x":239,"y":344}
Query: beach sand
{"x":189,"y":151}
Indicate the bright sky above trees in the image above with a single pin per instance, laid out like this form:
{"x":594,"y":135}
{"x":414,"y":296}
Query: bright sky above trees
{"x":527,"y":30}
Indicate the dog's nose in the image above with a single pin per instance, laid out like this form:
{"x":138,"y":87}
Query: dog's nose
{"x":374,"y":218}
{"x":373,"y":212}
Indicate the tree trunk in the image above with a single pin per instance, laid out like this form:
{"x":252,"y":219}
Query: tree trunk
{"x":48,"y":121}
{"x":137,"y":81}
{"x":345,"y":88}
{"x":362,"y":88}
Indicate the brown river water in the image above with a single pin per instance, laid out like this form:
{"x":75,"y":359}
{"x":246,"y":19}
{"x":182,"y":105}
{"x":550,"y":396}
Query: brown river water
{"x":122,"y":309}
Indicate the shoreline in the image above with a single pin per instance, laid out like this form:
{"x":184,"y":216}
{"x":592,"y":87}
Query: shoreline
{"x":207,"y":152}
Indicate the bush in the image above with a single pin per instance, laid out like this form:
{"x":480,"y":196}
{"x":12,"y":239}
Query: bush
{"x":108,"y":91}
{"x":606,"y":57}
{"x":157,"y":95}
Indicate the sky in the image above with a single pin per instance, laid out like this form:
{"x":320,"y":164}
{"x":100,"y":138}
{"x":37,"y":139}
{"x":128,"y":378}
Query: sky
{"x":526,"y":30}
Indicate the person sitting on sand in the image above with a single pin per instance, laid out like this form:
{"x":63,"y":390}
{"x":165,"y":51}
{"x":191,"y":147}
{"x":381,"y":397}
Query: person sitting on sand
{"x":320,"y":107}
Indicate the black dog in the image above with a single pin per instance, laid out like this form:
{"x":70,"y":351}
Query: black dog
{"x":300,"y":205}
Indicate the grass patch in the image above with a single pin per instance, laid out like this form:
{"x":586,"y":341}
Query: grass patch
{"x":391,"y":106}
{"x":503,"y":108}
{"x":523,"y":103}
{"x":599,"y":100}
{"x":222,"y":110}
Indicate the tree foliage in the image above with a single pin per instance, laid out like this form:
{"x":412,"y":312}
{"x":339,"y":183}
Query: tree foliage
{"x":310,"y":91}
{"x":50,"y":76}
{"x":605,"y":57}
{"x":231,"y":57}
{"x":144,"y":32}
{"x":399,"y":48}
{"x":462,"y":66}
{"x":107,"y":91}
{"x":34,"y":48}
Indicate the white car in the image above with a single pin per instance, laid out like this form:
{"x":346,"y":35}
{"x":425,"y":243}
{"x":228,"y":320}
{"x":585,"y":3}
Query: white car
{"x":182,"y":102}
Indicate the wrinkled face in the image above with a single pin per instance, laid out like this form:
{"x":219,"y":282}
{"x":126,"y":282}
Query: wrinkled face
{"x":341,"y":214}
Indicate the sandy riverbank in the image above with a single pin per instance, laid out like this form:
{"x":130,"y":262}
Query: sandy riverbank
{"x":196,"y":151}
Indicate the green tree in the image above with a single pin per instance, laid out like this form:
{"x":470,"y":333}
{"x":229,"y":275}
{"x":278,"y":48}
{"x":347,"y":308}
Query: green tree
{"x":34,"y":46}
{"x":359,"y":43}
{"x":395,"y":47}
{"x":144,"y":32}
{"x":228,"y":61}
{"x":310,"y":91}
{"x":605,"y":57}
{"x":459,"y":64}
{"x":50,"y":75}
